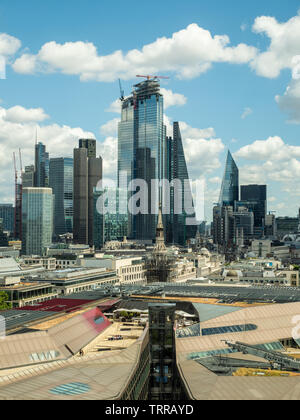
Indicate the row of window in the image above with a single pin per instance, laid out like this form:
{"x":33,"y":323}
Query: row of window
{"x":229,"y":329}
{"x":44,"y":356}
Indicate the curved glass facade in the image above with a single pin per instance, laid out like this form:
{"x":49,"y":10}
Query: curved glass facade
{"x":230,"y":185}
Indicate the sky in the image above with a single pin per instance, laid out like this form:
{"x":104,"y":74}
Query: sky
{"x":234,"y":83}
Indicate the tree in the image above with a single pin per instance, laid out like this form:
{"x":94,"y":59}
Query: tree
{"x":124,"y":314}
{"x":4,"y":304}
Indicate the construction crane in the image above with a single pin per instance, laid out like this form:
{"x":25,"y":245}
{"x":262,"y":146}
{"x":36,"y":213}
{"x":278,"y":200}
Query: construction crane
{"x":122,"y":94}
{"x":148,"y":77}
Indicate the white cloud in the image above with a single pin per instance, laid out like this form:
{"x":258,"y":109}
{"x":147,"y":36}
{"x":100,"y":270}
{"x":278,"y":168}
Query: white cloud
{"x":26,"y":64}
{"x":196,"y":133}
{"x":273,"y":149}
{"x":9,"y":45}
{"x":172,"y":99}
{"x":187,"y":53}
{"x":246,"y":113}
{"x":110,"y":128}
{"x":215,"y":180}
{"x":290,"y":101}
{"x":284,"y":45}
{"x":115,"y":107}
{"x":19,"y":114}
{"x":60,"y":141}
{"x":275,"y":163}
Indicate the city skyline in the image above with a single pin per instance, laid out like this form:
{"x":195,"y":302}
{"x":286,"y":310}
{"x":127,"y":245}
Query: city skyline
{"x":199,"y":99}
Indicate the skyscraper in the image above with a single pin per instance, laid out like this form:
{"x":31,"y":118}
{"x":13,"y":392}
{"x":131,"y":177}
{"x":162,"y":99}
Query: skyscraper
{"x":110,"y":225}
{"x":37,"y":220}
{"x":177,"y":226}
{"x":7,"y":212}
{"x":61,"y":182}
{"x":141,"y":146}
{"x":256,"y":197}
{"x":41,"y":175}
{"x":230,"y":184}
{"x":28,"y":177}
{"x":87,"y":174}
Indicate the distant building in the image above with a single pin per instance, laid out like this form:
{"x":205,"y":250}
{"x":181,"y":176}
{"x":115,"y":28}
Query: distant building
{"x":178,"y":228}
{"x":37,"y":220}
{"x":230,"y":184}
{"x":28,"y":177}
{"x":41,"y":175}
{"x":286,"y":225}
{"x":270,"y":226}
{"x":141,"y":146}
{"x":111,"y":224}
{"x":61,"y":182}
{"x":87,"y":174}
{"x":3,"y":236}
{"x":7,"y":213}
{"x":254,"y":197}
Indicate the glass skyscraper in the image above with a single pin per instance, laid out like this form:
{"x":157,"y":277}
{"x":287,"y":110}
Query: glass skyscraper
{"x":230,"y":185}
{"x":41,"y":175}
{"x":141,"y":146}
{"x":7,"y":213}
{"x":111,"y":225}
{"x":178,"y":230}
{"x":256,"y":197}
{"x":37,"y":220}
{"x":61,"y":182}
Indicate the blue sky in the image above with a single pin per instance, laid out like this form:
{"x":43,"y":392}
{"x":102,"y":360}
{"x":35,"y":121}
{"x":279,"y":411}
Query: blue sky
{"x":62,"y":71}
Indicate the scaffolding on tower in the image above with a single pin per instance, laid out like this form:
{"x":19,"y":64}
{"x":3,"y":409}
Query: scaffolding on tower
{"x":18,"y":198}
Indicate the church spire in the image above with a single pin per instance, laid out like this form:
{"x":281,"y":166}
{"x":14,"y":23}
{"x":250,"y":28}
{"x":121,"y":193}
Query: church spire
{"x":160,"y":235}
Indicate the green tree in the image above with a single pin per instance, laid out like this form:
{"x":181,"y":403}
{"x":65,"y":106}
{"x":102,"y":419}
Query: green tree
{"x":4,"y":304}
{"x":124,"y":314}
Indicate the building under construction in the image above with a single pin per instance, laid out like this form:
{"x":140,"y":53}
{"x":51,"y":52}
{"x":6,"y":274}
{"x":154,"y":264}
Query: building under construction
{"x":18,"y":199}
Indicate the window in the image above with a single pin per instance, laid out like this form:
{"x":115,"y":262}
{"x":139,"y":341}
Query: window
{"x":229,"y":329}
{"x":44,"y":356}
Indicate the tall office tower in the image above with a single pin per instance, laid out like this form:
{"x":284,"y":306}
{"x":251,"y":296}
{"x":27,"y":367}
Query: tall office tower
{"x":87,"y":174}
{"x":28,"y":177}
{"x":243,"y":220}
{"x":37,"y":220}
{"x":7,"y":213}
{"x":18,"y":212}
{"x":230,"y":185}
{"x":256,"y":197}
{"x":41,"y":175}
{"x":178,"y":223}
{"x":162,"y":352}
{"x":141,"y":146}
{"x":223,"y":226}
{"x":61,"y":182}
